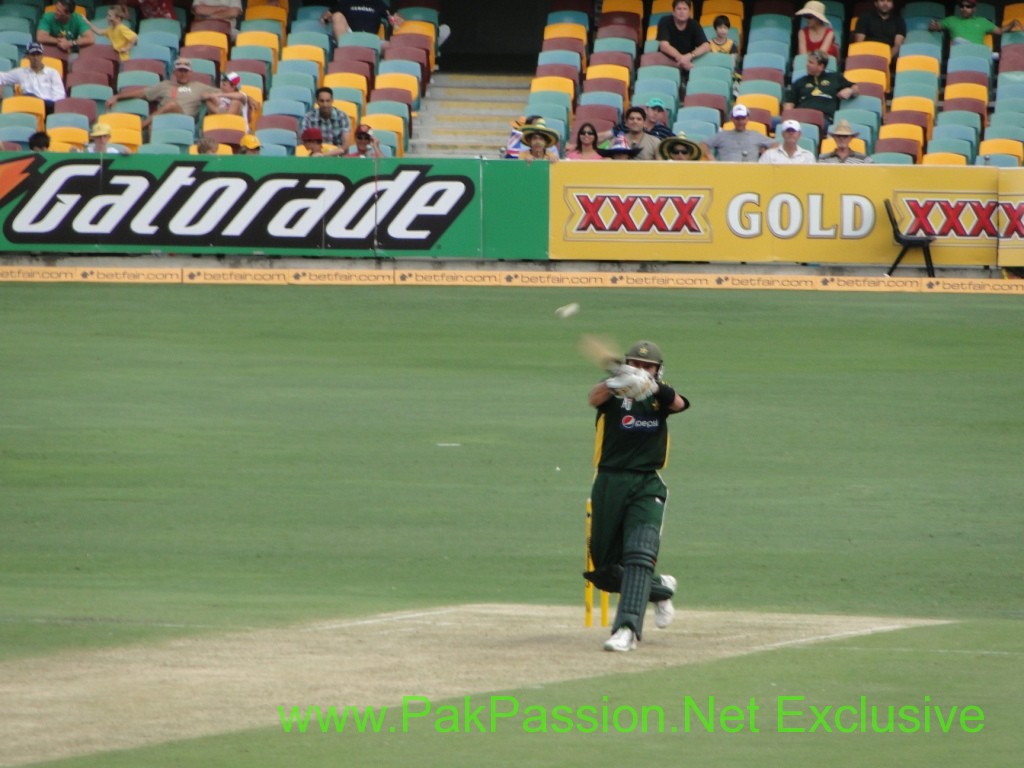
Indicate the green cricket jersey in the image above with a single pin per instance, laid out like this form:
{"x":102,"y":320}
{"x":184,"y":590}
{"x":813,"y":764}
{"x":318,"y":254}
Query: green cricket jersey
{"x":631,"y":435}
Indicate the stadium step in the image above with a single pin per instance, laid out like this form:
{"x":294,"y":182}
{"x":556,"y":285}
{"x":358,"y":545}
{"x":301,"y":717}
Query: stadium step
{"x":468,"y":114}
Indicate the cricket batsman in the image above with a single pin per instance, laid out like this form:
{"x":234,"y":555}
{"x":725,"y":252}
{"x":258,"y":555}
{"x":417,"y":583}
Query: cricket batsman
{"x":628,"y":497}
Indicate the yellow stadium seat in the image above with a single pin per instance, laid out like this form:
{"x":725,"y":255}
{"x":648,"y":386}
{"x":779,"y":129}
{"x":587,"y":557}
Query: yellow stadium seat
{"x":760,"y":101}
{"x":867,"y":76}
{"x":1002,"y":147}
{"x":943,"y":158}
{"x":265,"y":39}
{"x":389,"y":123}
{"x":351,"y":109}
{"x":575,"y":31}
{"x":614,"y":71}
{"x":904,"y":131}
{"x":216,"y":39}
{"x":222,"y":149}
{"x":966,"y":91}
{"x":415,"y":27}
{"x":917,"y":63}
{"x":28,"y":104}
{"x":553,"y":83}
{"x":256,"y":95}
{"x":230,"y":122}
{"x":129,"y":138}
{"x":751,"y":126}
{"x":271,"y":12}
{"x":124,"y":120}
{"x":306,"y":53}
{"x":403,"y":81}
{"x":68,"y":134}
{"x":871,"y":48}
{"x":628,"y":6}
{"x":916,"y":104}
{"x":828,"y":144}
{"x":346,"y":80}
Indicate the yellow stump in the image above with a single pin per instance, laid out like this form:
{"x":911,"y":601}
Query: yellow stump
{"x":588,"y":588}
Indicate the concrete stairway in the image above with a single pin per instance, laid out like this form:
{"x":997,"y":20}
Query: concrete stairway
{"x":468,"y":115}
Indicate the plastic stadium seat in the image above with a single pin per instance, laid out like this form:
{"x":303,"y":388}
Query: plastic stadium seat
{"x":27,"y":104}
{"x":1002,"y":147}
{"x":129,"y":138}
{"x":75,"y":137}
{"x":390,"y":123}
{"x":266,"y":40}
{"x":347,"y":80}
{"x":908,"y":147}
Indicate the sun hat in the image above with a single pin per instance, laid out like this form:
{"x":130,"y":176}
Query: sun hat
{"x":843,"y":128}
{"x":618,"y":147}
{"x":815,"y":9}
{"x":540,"y":129}
{"x":679,"y":140}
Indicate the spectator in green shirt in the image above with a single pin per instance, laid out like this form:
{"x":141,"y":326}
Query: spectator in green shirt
{"x":64,"y":28}
{"x":969,"y":28}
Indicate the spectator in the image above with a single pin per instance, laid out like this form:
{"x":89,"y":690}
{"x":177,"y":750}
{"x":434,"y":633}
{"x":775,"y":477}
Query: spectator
{"x":249,"y":145}
{"x":680,"y":149}
{"x":737,"y":144}
{"x":656,"y":119}
{"x":334,"y":126}
{"x":313,"y":140}
{"x":366,"y":144}
{"x":634,"y":128}
{"x":969,"y":28}
{"x":206,"y":146}
{"x":539,"y":140}
{"x":156,"y":9}
{"x":181,"y":94}
{"x":359,"y":16}
{"x":36,"y":79}
{"x":721,"y":42}
{"x":121,"y":36}
{"x":585,"y":145}
{"x":818,"y":34}
{"x":39,"y":141}
{"x":790,"y":152}
{"x":64,"y":28}
{"x":882,"y":25}
{"x":100,"y":144}
{"x":231,"y":99}
{"x":819,"y":89}
{"x":681,"y":38}
{"x":226,"y":10}
{"x":619,"y":149}
{"x":842,"y":133}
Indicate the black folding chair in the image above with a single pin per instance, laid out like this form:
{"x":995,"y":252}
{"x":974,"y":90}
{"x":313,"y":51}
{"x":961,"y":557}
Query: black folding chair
{"x":909,"y":241}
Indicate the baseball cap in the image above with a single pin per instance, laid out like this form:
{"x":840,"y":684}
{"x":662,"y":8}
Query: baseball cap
{"x":183,"y":63}
{"x":740,"y":111}
{"x":656,"y":103}
{"x":232,"y":77}
{"x":790,"y":125}
{"x":312,"y":134}
{"x":364,"y":128}
{"x":34,"y":48}
{"x":100,"y":129}
{"x":250,"y":142}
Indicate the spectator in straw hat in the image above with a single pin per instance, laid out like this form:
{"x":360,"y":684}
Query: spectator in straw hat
{"x":789,"y":152}
{"x":679,"y":149}
{"x":737,"y":144}
{"x":842,"y":133}
{"x":817,"y":35}
{"x":538,"y":141}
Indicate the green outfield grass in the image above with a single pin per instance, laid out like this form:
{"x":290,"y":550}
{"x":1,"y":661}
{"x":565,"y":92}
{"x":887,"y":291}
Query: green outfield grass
{"x":177,"y":461}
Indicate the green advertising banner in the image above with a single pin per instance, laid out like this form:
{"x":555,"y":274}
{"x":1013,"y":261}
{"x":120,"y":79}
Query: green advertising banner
{"x":516,"y":210}
{"x":349,"y":208}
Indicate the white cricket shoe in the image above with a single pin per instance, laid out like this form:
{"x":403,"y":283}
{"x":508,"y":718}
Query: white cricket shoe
{"x":664,"y":611}
{"x":622,"y":641}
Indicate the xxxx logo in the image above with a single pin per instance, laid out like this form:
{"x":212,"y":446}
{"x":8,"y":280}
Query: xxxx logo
{"x":965,"y":218}
{"x":641,"y":214}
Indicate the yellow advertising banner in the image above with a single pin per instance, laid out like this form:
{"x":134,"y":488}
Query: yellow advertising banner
{"x":1011,"y":213}
{"x":709,"y":212}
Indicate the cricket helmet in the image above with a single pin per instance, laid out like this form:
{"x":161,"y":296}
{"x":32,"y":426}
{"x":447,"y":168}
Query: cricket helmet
{"x":646,"y":352}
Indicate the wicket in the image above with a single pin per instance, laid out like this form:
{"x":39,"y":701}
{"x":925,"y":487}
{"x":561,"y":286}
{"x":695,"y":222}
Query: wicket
{"x":588,"y":589}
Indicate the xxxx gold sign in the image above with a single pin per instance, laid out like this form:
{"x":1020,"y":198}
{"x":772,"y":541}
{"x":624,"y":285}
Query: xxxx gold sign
{"x":961,"y":217}
{"x":604,"y":214}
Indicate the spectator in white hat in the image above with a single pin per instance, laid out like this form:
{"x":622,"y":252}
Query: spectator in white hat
{"x":789,"y":152}
{"x":737,"y":144}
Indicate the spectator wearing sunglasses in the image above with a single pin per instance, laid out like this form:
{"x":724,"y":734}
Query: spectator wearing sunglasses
{"x":586,"y":144}
{"x":679,"y":149}
{"x":366,"y":144}
{"x":968,"y":27}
